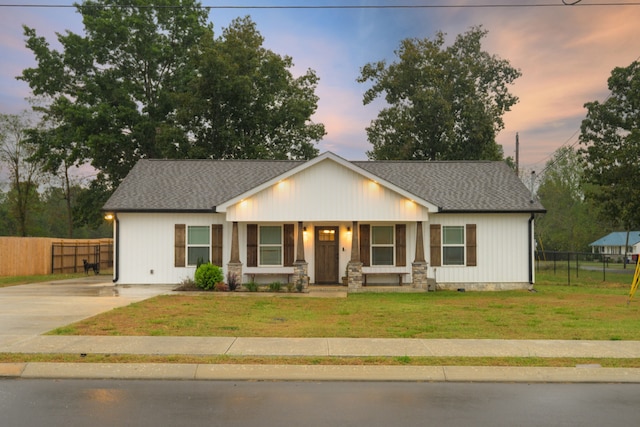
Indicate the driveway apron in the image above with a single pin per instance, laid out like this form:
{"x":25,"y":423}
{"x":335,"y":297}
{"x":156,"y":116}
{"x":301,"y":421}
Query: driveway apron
{"x":38,"y":308}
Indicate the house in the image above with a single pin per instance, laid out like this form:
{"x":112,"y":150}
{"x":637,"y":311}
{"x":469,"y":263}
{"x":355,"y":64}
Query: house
{"x":466,"y":224}
{"x":613,"y":244}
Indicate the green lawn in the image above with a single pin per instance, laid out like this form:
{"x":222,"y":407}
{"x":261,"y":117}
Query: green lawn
{"x":590,"y":311}
{"x":23,"y":280}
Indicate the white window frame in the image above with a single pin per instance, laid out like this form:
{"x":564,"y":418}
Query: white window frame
{"x":199,"y":245}
{"x":391,"y":245}
{"x":454,"y":245}
{"x":270,"y":245}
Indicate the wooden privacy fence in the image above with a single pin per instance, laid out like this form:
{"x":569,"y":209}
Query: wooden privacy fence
{"x":23,"y":256}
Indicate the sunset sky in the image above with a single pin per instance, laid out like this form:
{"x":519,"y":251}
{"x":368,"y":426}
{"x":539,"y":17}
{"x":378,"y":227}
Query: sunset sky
{"x":565,"y":53}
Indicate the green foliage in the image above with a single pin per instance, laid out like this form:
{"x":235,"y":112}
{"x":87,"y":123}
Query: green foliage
{"x":245,"y":104}
{"x":569,"y":223}
{"x":150,"y":81}
{"x":251,"y":286}
{"x":25,"y":175}
{"x":445,"y":103}
{"x":275,"y":286}
{"x":207,"y":276}
{"x":610,"y":135}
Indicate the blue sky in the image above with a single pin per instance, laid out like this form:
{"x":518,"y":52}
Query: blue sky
{"x":565,"y":53}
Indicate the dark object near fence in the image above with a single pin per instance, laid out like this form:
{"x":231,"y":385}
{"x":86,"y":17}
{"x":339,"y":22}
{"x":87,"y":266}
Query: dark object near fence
{"x":91,"y":266}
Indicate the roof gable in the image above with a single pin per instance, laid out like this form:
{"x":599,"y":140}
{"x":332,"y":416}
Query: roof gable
{"x":328,"y":156}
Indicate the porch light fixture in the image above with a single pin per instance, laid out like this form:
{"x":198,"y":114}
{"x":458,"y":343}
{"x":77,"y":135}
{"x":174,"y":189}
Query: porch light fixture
{"x":108,"y":216}
{"x":348,"y":229}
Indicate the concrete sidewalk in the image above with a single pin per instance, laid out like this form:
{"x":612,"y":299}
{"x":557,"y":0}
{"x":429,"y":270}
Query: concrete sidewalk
{"x":319,"y":347}
{"x":322,"y":347}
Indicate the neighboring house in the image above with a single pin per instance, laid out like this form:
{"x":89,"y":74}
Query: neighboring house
{"x":613,"y":244}
{"x":466,"y":224}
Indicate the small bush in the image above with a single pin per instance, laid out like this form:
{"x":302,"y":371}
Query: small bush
{"x":251,"y":286}
{"x":300,"y":285}
{"x":275,"y":286}
{"x":290,"y":287}
{"x":187,"y":284}
{"x":207,"y":275}
{"x":221,"y":287}
{"x":232,"y":281}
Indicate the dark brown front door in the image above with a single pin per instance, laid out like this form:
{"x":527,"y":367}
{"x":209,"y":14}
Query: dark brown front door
{"x":326,"y":250}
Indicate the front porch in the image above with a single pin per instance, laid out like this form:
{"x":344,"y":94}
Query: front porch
{"x":370,"y":263}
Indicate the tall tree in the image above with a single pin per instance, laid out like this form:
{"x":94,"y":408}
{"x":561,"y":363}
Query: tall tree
{"x":610,"y":135}
{"x":244,"y":102}
{"x":113,"y":89}
{"x":445,"y":102}
{"x":15,"y":154}
{"x":569,"y":224}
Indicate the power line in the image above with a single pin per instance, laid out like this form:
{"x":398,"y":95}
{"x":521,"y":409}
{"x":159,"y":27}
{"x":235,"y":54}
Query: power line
{"x":333,"y":6}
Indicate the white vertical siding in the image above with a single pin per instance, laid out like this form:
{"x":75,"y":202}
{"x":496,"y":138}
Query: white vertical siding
{"x":327,"y":192}
{"x":502,"y":250}
{"x":147,"y":244}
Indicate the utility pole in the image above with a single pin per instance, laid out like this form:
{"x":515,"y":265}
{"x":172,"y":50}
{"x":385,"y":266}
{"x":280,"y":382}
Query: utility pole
{"x":517,"y":154}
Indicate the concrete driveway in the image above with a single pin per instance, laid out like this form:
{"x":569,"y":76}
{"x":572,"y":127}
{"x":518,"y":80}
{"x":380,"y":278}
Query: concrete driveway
{"x":38,"y":308}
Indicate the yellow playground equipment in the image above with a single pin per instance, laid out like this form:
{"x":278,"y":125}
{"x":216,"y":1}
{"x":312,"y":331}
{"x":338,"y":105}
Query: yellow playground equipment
{"x":634,"y":284}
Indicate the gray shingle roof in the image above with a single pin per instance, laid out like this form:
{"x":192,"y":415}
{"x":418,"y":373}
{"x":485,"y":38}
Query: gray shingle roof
{"x":191,"y":185}
{"x":459,"y":185}
{"x":200,"y":185}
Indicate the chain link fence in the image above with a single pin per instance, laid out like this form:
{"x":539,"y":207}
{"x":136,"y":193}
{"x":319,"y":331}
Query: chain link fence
{"x":572,"y":264}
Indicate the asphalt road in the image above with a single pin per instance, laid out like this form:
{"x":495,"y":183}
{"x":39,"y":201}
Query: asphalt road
{"x":99,"y":403}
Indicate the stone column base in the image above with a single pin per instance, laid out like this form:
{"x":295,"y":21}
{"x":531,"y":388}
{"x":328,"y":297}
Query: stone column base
{"x":301,"y":275}
{"x":419,"y":275}
{"x":354,"y":275}
{"x":235,"y":268}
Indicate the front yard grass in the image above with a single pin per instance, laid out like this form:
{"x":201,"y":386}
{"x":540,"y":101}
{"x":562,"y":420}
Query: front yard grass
{"x":589,"y":312}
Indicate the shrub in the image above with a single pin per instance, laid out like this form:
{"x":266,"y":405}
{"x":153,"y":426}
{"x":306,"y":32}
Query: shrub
{"x":275,"y":286}
{"x":207,"y":275}
{"x":300,"y":285}
{"x":290,"y":287}
{"x":251,"y":286}
{"x":187,"y":284}
{"x":221,"y":287}
{"x":232,"y":281}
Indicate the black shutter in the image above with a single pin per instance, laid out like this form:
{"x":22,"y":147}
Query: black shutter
{"x":435,"y":240}
{"x":252,"y":245}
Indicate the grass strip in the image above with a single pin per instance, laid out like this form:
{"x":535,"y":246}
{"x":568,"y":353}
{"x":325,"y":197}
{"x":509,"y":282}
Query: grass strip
{"x":6,"y":281}
{"x":348,"y":361}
